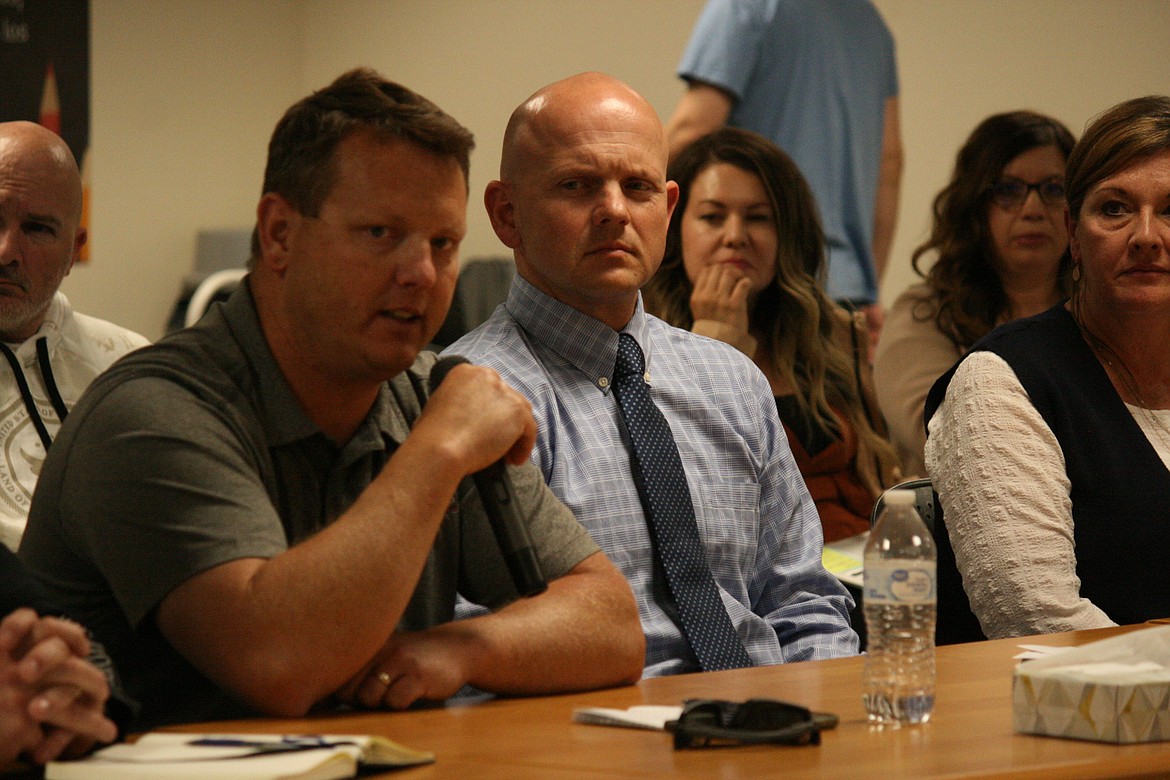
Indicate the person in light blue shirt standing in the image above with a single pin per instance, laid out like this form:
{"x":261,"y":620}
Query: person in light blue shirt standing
{"x":819,"y":79}
{"x":584,"y":204}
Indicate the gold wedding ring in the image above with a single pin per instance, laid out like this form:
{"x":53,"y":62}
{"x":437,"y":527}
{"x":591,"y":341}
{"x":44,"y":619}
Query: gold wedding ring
{"x":384,"y":678}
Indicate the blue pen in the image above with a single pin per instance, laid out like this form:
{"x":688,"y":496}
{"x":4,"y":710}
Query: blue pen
{"x":286,"y":744}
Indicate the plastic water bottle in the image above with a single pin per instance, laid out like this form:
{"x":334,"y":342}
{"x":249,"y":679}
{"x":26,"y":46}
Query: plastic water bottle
{"x":900,"y":601}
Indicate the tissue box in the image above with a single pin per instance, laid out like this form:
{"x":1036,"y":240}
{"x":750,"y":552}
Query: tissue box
{"x":1114,"y":690}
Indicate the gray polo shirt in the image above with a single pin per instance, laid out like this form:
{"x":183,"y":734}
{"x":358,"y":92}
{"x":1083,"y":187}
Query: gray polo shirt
{"x":194,"y":452}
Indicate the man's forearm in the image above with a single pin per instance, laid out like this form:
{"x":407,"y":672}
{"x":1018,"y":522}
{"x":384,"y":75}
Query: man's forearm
{"x":582,"y":633}
{"x":284,"y":633}
{"x":337,"y":596}
{"x":889,"y":188}
{"x":885,"y":221}
{"x":702,"y":109}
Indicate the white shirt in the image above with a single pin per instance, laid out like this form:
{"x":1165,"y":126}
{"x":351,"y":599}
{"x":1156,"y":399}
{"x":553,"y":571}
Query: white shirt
{"x":79,"y":347}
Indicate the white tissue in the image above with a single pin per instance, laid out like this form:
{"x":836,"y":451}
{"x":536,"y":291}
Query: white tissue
{"x":1114,"y":690}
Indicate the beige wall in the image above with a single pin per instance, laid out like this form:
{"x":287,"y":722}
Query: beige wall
{"x":186,"y":92}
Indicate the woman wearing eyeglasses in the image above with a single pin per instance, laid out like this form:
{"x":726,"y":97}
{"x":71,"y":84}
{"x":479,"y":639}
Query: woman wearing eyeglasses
{"x":1002,"y":253}
{"x":1049,"y":443}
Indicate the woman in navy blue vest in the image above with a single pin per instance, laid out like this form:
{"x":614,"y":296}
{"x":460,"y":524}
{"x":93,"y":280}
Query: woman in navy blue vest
{"x":1049,"y":443}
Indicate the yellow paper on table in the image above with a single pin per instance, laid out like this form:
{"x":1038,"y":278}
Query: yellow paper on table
{"x":844,"y":559}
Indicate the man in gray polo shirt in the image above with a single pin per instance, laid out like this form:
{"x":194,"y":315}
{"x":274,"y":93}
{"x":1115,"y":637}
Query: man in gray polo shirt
{"x":259,"y":514}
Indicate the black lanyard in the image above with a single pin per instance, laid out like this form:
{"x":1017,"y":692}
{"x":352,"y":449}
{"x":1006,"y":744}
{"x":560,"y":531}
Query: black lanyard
{"x":50,"y":387}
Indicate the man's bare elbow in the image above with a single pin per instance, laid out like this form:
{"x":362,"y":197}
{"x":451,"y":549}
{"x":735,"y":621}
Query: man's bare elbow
{"x":275,"y":688}
{"x":629,"y":640}
{"x":681,"y":132}
{"x":637,"y":638}
{"x":678,"y":137}
{"x":289,"y":705}
{"x":634,"y":655}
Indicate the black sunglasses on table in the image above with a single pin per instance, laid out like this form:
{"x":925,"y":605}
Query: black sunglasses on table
{"x":716,"y":723}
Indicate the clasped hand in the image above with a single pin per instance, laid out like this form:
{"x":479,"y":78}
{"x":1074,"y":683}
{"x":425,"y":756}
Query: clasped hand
{"x":51,"y":697}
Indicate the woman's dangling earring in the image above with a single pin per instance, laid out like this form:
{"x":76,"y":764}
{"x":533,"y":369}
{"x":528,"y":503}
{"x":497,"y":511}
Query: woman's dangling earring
{"x":1076,"y":273}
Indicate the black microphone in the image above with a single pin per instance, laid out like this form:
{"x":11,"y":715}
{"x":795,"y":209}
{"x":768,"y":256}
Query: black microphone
{"x":495,"y":491}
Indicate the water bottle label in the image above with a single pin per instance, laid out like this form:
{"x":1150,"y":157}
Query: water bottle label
{"x":900,"y":582}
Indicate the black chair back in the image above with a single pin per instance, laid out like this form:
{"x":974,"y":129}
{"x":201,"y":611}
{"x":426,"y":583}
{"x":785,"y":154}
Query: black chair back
{"x":956,"y":622}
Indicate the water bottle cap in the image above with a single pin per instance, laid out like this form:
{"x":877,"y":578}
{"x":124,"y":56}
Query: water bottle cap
{"x":899,"y":497}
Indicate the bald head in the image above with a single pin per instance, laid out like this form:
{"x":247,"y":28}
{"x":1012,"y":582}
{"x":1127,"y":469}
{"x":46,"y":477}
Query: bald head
{"x":39,"y":149}
{"x":585,"y":102}
{"x":583,"y":200}
{"x":40,"y":224}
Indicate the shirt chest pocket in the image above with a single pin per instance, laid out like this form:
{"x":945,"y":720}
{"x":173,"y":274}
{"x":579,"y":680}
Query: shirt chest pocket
{"x":728,"y":514}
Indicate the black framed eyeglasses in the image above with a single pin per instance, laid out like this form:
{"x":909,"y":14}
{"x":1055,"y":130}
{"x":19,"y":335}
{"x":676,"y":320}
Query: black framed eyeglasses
{"x":1010,"y":193}
{"x":716,"y":723}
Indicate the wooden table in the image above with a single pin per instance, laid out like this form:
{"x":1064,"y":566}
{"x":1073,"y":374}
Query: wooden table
{"x":970,"y":734}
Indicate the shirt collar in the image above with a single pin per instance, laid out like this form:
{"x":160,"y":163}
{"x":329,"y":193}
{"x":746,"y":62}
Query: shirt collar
{"x":584,"y":342}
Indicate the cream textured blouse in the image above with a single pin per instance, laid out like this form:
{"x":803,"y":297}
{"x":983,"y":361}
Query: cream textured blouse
{"x":1000,"y":475}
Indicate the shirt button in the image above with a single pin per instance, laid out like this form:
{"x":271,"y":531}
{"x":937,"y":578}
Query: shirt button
{"x":603,"y":382}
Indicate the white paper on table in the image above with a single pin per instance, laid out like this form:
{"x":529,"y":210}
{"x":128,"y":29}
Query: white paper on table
{"x":644,"y":716}
{"x":1039,"y":651}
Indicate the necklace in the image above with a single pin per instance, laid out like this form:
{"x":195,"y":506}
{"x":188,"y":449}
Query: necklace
{"x":1155,"y":427}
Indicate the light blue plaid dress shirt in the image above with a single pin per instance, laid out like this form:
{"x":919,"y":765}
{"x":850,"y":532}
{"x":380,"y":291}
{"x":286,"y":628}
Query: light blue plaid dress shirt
{"x":758,"y":524}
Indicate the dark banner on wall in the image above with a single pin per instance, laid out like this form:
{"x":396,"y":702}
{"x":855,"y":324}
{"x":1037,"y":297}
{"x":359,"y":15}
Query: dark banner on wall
{"x":44,"y":69}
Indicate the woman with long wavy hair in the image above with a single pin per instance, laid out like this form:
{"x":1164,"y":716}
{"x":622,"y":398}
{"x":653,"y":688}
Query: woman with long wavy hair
{"x":1001,"y":253}
{"x":744,"y":262}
